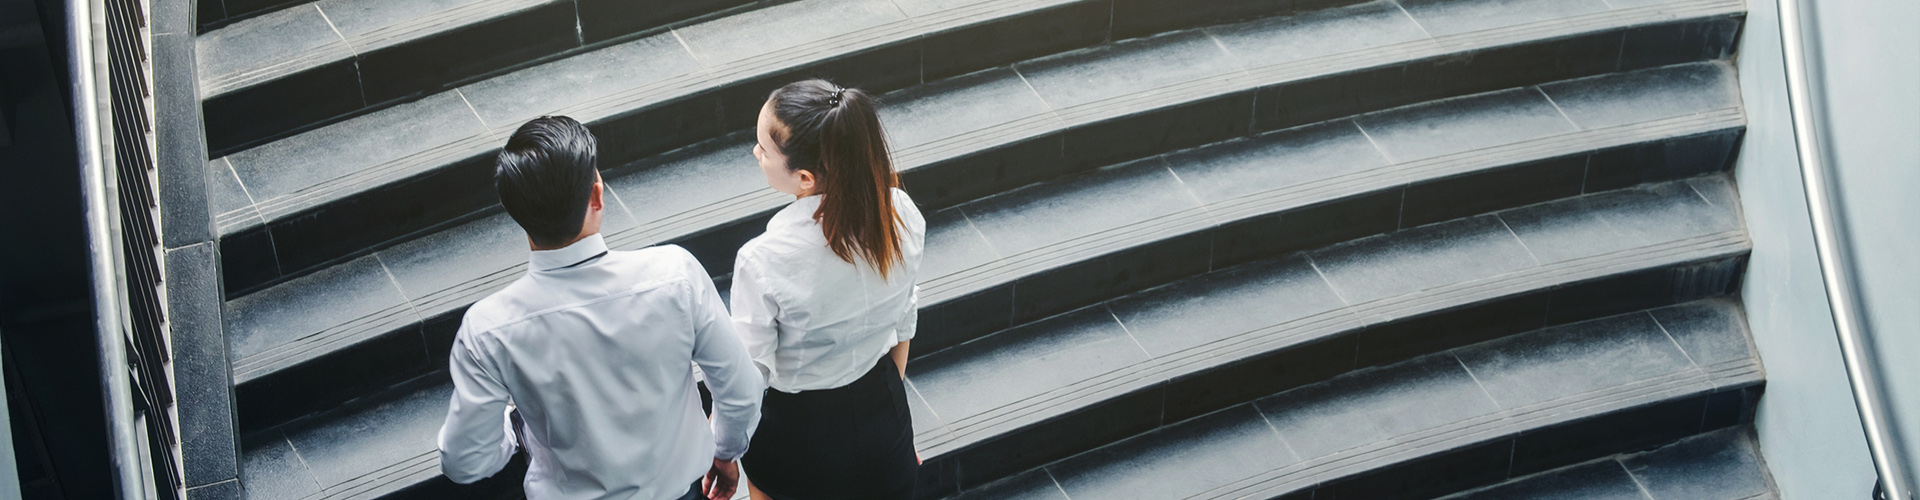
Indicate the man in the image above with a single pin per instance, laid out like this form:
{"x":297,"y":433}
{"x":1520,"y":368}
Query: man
{"x":596,"y":350}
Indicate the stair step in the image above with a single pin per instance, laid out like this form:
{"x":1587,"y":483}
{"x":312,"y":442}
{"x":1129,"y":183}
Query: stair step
{"x":1442,"y":423}
{"x":302,"y":345}
{"x":968,"y":399}
{"x":1718,"y":465}
{"x":1032,"y":121}
{"x":1054,"y":387}
{"x":309,"y":64}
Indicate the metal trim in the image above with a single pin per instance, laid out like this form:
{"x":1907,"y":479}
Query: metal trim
{"x":1836,"y":269}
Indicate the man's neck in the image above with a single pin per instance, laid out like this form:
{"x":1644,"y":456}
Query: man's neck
{"x":537,"y":248}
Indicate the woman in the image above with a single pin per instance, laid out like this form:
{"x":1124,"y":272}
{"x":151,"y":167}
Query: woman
{"x":826,"y":303}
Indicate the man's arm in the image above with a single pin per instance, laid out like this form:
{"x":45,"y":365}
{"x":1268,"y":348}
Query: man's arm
{"x":736,"y":385}
{"x":474,"y":441}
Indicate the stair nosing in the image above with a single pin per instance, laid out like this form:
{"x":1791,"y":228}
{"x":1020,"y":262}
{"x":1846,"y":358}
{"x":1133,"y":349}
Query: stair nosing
{"x":386,"y":173}
{"x":1168,"y":366}
{"x":935,"y":290}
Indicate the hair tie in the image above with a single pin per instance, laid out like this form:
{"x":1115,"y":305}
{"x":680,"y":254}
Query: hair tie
{"x":837,"y":92}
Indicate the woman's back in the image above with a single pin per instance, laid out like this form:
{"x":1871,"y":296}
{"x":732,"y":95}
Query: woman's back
{"x":823,"y":320}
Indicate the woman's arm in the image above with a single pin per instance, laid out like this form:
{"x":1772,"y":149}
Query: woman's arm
{"x":899,"y":354}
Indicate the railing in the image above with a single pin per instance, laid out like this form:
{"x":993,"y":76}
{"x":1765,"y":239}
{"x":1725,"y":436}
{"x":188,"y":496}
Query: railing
{"x":1836,"y":271}
{"x":114,"y":129}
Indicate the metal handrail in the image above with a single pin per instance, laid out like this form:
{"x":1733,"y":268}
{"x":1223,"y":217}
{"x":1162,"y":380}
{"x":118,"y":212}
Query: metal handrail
{"x":86,"y":53}
{"x":1835,"y":268}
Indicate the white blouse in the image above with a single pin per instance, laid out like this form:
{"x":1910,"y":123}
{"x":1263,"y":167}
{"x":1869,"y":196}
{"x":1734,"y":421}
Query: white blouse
{"x":812,"y":321}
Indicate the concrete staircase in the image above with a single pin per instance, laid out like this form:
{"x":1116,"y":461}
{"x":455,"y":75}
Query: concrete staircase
{"x":1214,"y":249}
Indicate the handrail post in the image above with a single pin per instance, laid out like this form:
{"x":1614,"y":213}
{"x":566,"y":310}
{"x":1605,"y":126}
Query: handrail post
{"x":1835,"y":268}
{"x":86,"y":61}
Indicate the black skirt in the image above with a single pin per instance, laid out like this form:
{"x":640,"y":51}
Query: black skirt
{"x":853,"y":442}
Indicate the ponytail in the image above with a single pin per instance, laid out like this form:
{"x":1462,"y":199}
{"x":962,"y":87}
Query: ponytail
{"x":835,"y":133}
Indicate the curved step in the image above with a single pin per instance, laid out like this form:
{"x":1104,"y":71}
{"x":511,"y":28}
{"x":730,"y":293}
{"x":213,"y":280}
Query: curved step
{"x":1556,"y":396}
{"x":1443,"y":423}
{"x":389,"y":316}
{"x":1048,"y":389}
{"x":400,"y":169}
{"x":1718,"y":465}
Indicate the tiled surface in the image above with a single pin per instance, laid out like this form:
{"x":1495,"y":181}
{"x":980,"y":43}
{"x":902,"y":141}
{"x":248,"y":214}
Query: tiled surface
{"x":1450,"y":17}
{"x":1688,"y":324}
{"x":272,"y":470}
{"x":1630,"y":218}
{"x":1193,"y":312}
{"x":605,"y":19}
{"x":344,"y":148}
{"x":688,"y":179}
{"x":224,"y":194}
{"x":955,"y":106}
{"x":513,"y":98}
{"x":1282,"y":40}
{"x":953,"y":244}
{"x":1278,"y":160}
{"x":355,"y":18}
{"x":1645,"y":95}
{"x":1031,"y":485}
{"x":1575,"y":359}
{"x":276,"y":316}
{"x":1375,"y":406}
{"x":362,"y":439}
{"x":260,"y":41}
{"x":1082,"y":77}
{"x":1195,"y":456}
{"x":765,"y":30}
{"x":1720,"y":465}
{"x":990,"y":373}
{"x":1016,"y":364}
{"x":1366,"y":416}
{"x":442,"y":260}
{"x":1095,"y":74}
{"x":1464,"y":124}
{"x":1597,"y":481}
{"x":1025,"y":219}
{"x":1413,"y":260}
{"x":988,"y":230}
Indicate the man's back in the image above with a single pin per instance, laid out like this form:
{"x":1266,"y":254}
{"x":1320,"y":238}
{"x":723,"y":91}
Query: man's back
{"x":594,"y":347}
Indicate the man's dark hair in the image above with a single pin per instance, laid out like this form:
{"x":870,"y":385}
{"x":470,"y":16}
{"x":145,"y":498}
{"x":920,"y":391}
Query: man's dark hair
{"x":545,"y":178}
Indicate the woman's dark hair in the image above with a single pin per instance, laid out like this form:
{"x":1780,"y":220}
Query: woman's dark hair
{"x":545,"y":178}
{"x":835,"y":133}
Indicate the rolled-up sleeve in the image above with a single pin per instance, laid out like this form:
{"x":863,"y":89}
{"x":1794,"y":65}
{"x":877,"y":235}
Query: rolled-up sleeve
{"x":731,"y":378}
{"x":474,"y":441}
{"x":754,"y":311}
{"x":910,"y":319}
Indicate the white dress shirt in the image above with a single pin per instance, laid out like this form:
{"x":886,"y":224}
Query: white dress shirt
{"x":812,"y":321}
{"x":597,"y":350}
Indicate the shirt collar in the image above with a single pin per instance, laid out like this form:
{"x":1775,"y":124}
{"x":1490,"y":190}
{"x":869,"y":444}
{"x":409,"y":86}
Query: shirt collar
{"x":581,"y":251}
{"x":797,"y":213}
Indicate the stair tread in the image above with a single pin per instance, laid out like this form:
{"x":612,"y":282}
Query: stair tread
{"x":993,"y":373}
{"x":971,"y":246}
{"x":343,"y":160}
{"x":1324,"y":433}
{"x":1719,"y":465}
{"x":304,"y":36}
{"x":591,"y":85}
{"x":1059,"y":365}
